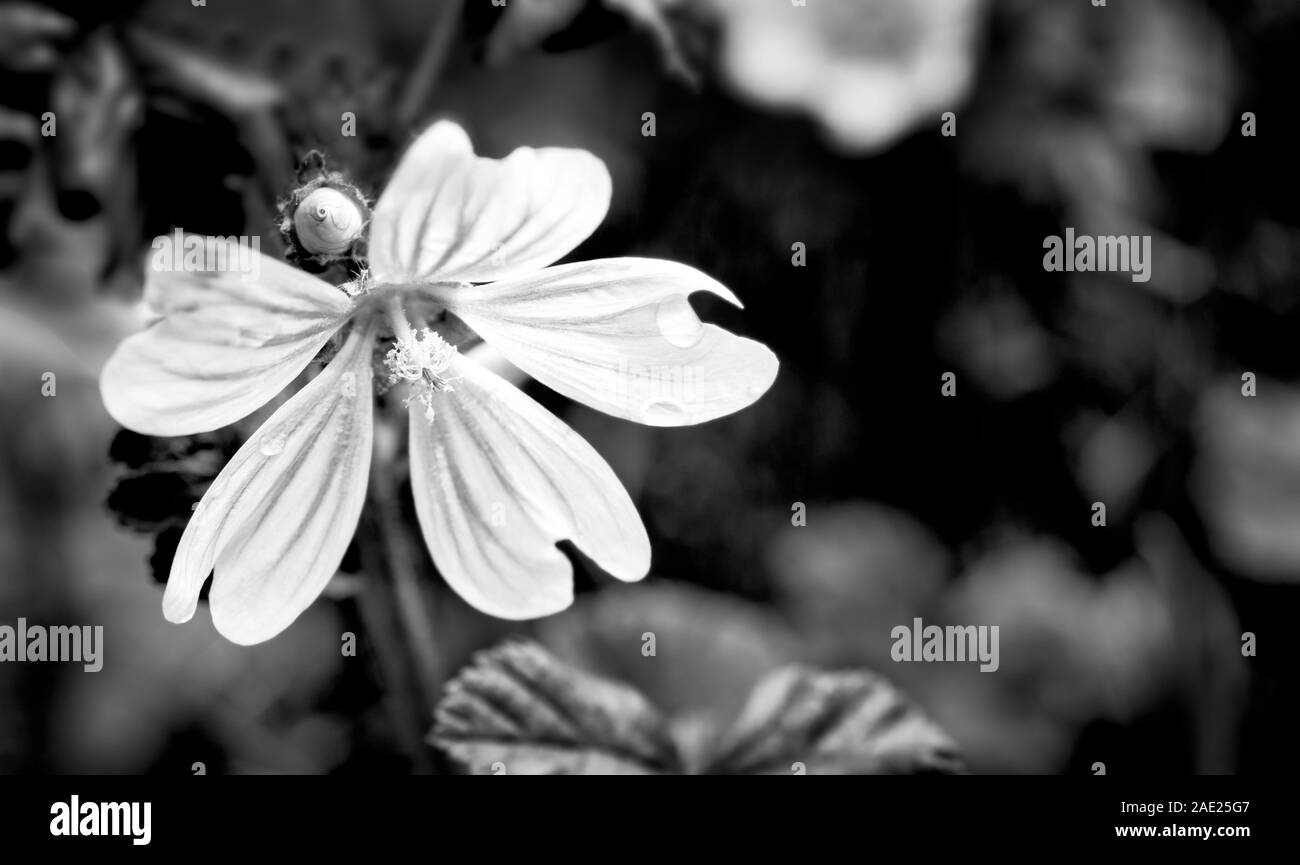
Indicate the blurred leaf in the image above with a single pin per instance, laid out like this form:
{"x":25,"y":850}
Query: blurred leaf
{"x":1073,"y":645}
{"x":101,"y":106}
{"x":1171,"y":75}
{"x":1000,"y":344}
{"x":28,"y":343}
{"x":516,"y":705}
{"x":711,"y":648}
{"x":30,"y":36}
{"x":527,"y":23}
{"x":1246,"y":478}
{"x":655,"y":19}
{"x":199,"y":83}
{"x":857,"y":569}
{"x":833,"y":723}
{"x":1212,"y":674}
{"x":1113,"y":456}
{"x":261,"y":704}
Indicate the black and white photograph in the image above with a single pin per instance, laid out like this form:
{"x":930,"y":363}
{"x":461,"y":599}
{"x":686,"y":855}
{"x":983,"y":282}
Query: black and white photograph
{"x":404,"y":388}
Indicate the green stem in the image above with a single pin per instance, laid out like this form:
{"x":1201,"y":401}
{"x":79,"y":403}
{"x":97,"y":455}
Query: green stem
{"x":377,"y":606}
{"x":429,"y":66}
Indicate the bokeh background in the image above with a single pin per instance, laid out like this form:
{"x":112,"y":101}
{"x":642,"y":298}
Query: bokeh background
{"x":774,"y":125}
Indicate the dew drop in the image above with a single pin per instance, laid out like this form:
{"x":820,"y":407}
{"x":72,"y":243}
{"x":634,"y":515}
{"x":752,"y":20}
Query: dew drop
{"x":348,"y":384}
{"x":667,"y":411}
{"x":678,"y":322}
{"x":272,"y":444}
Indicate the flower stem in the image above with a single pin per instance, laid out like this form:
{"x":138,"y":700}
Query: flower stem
{"x":401,"y":557}
{"x":410,"y":717}
{"x":395,"y":605}
{"x":428,"y":68}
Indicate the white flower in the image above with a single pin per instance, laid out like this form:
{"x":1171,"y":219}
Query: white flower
{"x":867,"y":70}
{"x":497,"y":479}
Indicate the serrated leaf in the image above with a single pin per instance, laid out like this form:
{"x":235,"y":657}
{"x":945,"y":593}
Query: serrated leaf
{"x":800,"y":720}
{"x":517,"y":710}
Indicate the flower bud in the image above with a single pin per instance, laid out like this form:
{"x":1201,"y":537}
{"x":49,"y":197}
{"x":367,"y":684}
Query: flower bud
{"x":328,"y":222}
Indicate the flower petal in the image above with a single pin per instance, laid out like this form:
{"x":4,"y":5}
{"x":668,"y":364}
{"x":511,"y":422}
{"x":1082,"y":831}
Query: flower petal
{"x":228,"y":342}
{"x":278,"y":518}
{"x":498,"y":480}
{"x":619,"y":335}
{"x":449,"y":216}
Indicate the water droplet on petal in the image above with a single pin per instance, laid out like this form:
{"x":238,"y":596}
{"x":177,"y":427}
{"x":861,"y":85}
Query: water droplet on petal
{"x":678,"y":322}
{"x":665,"y":410}
{"x":200,"y":509}
{"x":348,"y":385}
{"x":272,"y":444}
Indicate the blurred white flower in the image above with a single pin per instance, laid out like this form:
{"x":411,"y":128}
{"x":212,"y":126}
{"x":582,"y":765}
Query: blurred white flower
{"x":868,"y":71}
{"x":497,"y":479}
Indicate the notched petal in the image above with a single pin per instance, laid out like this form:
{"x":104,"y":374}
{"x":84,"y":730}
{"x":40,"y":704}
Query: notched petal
{"x":498,"y":480}
{"x":620,"y":336}
{"x":277,"y":520}
{"x":450,"y":216}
